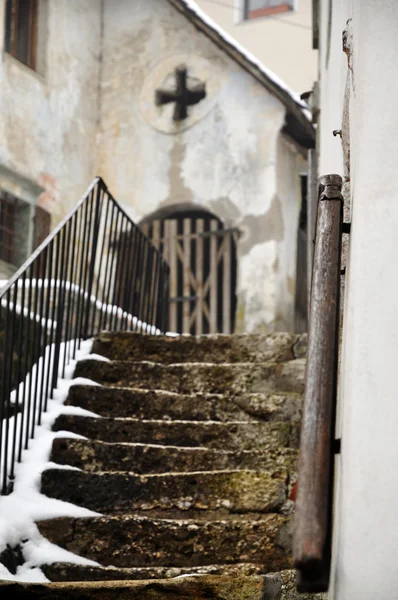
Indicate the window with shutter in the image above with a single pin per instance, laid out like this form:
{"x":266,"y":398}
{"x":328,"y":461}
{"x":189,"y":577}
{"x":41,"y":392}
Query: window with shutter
{"x":14,"y":232}
{"x":21,"y":30}
{"x":22,"y":228}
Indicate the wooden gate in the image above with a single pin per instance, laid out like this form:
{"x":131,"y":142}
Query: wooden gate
{"x":202,"y":259}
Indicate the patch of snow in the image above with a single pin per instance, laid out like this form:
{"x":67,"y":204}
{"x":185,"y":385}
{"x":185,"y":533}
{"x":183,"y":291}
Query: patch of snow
{"x":132,"y":322}
{"x":97,"y":357}
{"x":248,"y":55}
{"x":25,"y":505}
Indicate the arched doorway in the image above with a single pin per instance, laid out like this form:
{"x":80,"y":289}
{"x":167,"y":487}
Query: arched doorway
{"x":202,"y":256}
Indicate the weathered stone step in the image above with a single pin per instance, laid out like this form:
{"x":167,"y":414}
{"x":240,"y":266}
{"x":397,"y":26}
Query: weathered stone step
{"x":93,"y":456}
{"x":219,"y":436}
{"x":71,"y":572}
{"x":159,"y":404}
{"x":192,"y":378}
{"x":130,"y":541}
{"x":274,"y":586}
{"x":275,"y":347}
{"x":232,"y":491}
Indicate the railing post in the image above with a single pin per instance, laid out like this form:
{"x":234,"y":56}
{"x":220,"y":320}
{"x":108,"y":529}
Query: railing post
{"x":312,"y":523}
{"x":92,"y":258}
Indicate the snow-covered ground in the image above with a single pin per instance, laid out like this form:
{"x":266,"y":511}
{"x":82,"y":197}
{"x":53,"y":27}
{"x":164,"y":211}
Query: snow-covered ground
{"x":115,"y":312}
{"x":25,"y":505}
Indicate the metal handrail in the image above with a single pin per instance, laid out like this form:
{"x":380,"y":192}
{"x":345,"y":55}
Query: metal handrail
{"x":95,"y":271}
{"x":312,"y":521}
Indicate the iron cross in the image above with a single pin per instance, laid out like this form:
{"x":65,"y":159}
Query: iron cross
{"x":182,"y":95}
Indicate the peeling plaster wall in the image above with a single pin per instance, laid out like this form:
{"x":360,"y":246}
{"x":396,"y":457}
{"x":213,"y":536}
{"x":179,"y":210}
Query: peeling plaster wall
{"x":228,"y":155}
{"x":48,"y":121}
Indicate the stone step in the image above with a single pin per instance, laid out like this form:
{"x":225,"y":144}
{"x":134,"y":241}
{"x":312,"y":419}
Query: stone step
{"x":192,"y":378}
{"x":93,"y":456}
{"x":230,"y":491}
{"x":273,"y":586}
{"x":159,"y":404}
{"x":131,"y":541}
{"x":275,"y":347}
{"x":215,"y":435}
{"x":71,"y":572}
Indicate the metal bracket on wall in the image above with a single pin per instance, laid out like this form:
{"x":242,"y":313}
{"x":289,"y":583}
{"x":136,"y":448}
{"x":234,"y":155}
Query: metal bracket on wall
{"x":337,"y":446}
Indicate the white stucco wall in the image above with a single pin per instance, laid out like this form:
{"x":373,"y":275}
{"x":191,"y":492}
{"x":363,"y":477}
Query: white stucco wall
{"x":226,"y":156}
{"x":366,"y":541}
{"x":333,"y":69}
{"x":48,"y":121}
{"x":283,"y":41}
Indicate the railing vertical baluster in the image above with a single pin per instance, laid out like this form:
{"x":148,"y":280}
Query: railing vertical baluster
{"x":101,"y":256}
{"x":28,"y":361}
{"x":13,"y":381}
{"x":123,"y":280}
{"x":60,"y":313}
{"x":134,"y":272}
{"x":19,"y":378}
{"x":165,"y":298}
{"x":78,"y":279}
{"x":22,"y":372}
{"x":53,"y":261}
{"x":148,"y":287}
{"x":114,"y":269}
{"x":83,"y":272}
{"x":7,"y":382}
{"x":35,"y":353}
{"x":93,"y":255}
{"x":144,"y":267}
{"x":43,"y":335}
{"x":71,"y":296}
{"x":109,"y":258}
{"x":128,"y":282}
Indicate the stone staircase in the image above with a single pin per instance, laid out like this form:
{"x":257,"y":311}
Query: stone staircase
{"x":191,"y":467}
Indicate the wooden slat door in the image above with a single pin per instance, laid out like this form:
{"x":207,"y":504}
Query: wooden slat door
{"x":202,"y":259}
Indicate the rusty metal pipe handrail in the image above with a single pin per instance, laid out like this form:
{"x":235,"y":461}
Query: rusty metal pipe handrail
{"x":312,"y":522}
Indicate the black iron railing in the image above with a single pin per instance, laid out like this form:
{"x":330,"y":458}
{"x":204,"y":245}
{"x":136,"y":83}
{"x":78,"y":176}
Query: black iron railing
{"x":313,"y":515}
{"x":96,"y":271}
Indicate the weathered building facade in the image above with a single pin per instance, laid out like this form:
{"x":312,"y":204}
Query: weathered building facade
{"x":88,"y":105}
